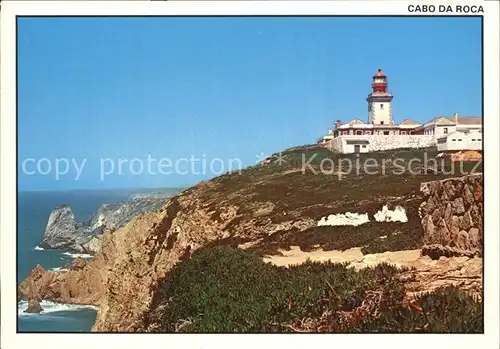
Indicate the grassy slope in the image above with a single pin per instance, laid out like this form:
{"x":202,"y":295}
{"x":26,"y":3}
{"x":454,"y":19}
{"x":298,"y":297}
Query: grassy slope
{"x":296,"y":195}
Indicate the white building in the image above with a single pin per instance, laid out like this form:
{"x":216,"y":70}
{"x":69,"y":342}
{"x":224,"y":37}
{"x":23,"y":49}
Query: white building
{"x":442,"y":126}
{"x":325,"y":140}
{"x":459,"y":140}
{"x":382,"y":133}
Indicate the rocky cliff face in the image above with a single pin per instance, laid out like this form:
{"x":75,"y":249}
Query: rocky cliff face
{"x":83,"y":283}
{"x":235,"y":209}
{"x":63,"y":232}
{"x":452,"y":215}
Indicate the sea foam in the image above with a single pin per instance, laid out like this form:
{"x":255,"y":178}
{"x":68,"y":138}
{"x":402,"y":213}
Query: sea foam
{"x":51,"y":307}
{"x":78,"y":255}
{"x":58,"y":269}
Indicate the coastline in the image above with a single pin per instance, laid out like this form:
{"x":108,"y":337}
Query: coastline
{"x":59,"y":260}
{"x":65,"y":317}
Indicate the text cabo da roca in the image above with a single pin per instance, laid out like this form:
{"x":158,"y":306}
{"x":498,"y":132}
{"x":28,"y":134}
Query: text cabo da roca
{"x":446,"y":8}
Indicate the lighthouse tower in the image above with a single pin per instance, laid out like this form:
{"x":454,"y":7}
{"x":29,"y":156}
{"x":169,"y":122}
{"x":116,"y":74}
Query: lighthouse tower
{"x":380,"y":101}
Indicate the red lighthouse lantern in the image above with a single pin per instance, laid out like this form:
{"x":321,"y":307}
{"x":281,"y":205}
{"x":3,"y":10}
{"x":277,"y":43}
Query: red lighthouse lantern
{"x":379,"y":84}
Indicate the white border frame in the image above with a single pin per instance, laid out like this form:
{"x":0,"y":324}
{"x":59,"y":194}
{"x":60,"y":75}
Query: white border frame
{"x":8,"y":168}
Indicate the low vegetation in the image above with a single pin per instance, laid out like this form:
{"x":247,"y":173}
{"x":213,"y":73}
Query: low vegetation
{"x":222,"y":289}
{"x":447,"y":310}
{"x":290,"y":192}
{"x":373,"y":237}
{"x":394,"y":241}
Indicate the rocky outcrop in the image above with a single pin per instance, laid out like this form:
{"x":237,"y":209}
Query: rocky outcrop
{"x":428,"y":274}
{"x":81,"y":285}
{"x":452,"y":216}
{"x":64,"y":232}
{"x":61,"y":230}
{"x":437,"y":251}
{"x":34,"y":306}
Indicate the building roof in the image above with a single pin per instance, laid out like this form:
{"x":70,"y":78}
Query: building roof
{"x":409,"y":122}
{"x":441,"y":120}
{"x":450,"y":120}
{"x":355,"y":122}
{"x":352,"y":122}
{"x":466,"y":120}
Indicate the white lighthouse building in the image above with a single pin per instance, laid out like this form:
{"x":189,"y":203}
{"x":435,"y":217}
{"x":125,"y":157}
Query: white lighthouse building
{"x":381,"y":132}
{"x":380,"y":101}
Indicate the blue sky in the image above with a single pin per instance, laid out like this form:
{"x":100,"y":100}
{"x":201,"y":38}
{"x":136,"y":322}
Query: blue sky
{"x":111,"y":88}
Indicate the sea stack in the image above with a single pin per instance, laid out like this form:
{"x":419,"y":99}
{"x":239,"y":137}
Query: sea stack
{"x":34,"y":307}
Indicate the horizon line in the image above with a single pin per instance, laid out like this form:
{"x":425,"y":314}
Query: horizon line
{"x":101,"y":189}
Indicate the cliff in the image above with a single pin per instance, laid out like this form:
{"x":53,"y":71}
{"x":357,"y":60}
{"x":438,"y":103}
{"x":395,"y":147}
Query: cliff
{"x":265,"y":209}
{"x":64,"y":232}
{"x":452,"y":215}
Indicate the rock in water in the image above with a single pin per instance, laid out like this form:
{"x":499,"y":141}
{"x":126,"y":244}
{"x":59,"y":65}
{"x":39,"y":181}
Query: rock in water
{"x":34,"y":306}
{"x":64,"y":232}
{"x":61,"y":230}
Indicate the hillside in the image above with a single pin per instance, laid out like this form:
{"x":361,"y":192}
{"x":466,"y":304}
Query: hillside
{"x":266,"y":209}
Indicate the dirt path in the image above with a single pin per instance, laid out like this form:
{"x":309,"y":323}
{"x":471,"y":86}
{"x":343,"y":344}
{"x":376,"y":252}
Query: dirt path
{"x":296,"y":256}
{"x":426,"y":275}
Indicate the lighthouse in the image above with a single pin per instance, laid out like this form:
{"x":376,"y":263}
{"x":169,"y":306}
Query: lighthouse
{"x":380,"y":101}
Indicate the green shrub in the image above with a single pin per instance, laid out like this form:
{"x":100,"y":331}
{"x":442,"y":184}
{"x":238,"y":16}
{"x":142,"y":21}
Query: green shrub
{"x":222,"y":289}
{"x":394,"y":242}
{"x":399,"y":236}
{"x":445,"y":310}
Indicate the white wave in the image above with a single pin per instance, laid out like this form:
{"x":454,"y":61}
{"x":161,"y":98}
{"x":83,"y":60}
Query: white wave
{"x":51,"y":307}
{"x":78,"y":255}
{"x":58,"y":269}
{"x":38,"y":248}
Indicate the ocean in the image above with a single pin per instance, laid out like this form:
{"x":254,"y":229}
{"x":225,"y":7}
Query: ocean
{"x":33,"y":212}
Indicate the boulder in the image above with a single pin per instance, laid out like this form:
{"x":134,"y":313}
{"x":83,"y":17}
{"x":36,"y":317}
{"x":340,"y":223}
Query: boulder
{"x":437,"y":251}
{"x":34,"y":306}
